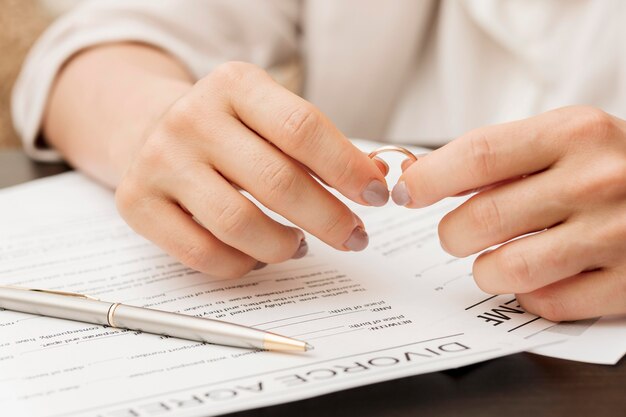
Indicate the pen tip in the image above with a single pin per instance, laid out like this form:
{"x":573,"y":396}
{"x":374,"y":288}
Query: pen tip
{"x":276,"y":342}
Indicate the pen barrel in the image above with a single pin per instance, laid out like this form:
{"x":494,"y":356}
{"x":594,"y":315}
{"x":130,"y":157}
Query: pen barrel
{"x":53,"y":305}
{"x":78,"y":307}
{"x":187,"y":327}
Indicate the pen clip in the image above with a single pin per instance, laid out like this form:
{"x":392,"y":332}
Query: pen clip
{"x":55,"y":292}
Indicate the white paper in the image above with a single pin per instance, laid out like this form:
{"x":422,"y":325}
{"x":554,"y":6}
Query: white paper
{"x":367,"y":324}
{"x":449,"y":282}
{"x":402,"y":307}
{"x":601,"y":341}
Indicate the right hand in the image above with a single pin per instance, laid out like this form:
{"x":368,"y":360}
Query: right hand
{"x":238,"y":128}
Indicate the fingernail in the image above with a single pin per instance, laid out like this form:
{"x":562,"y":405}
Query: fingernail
{"x":400,"y":194}
{"x":376,"y":193}
{"x":302,"y":250}
{"x":406,"y":164}
{"x":358,"y":240}
{"x":259,"y":265}
{"x":384,"y":164}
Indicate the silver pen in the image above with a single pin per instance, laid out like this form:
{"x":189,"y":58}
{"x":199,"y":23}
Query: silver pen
{"x":79,"y":307}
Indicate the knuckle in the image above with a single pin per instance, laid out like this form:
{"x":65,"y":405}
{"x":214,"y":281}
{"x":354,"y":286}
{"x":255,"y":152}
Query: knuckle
{"x":233,"y":219}
{"x":202,"y":257}
{"x":546,"y":303}
{"x":198,"y":257}
{"x":300,"y":125}
{"x":233,"y":79}
{"x":133,"y":201}
{"x":615,"y":176}
{"x":126,"y":196}
{"x":187,"y":124}
{"x":558,"y":257}
{"x":515,"y":270}
{"x":614,"y":232}
{"x":180,"y":117}
{"x":482,"y":154}
{"x":232,"y":73}
{"x":605,"y":181}
{"x":612,"y":179}
{"x":279,"y":180}
{"x":485,"y":215}
{"x":346,"y":167}
{"x":335,"y":223}
{"x":596,"y":124}
{"x":154,"y":154}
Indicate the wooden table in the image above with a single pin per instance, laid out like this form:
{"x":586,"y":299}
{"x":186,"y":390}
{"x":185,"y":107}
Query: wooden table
{"x":519,"y":385}
{"x":16,"y":168}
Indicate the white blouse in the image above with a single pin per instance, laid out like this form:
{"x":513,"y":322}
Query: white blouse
{"x":413,"y":71}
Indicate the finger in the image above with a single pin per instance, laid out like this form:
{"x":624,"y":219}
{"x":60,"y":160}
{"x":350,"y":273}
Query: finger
{"x":382,"y":165}
{"x":502,"y":213}
{"x":234,"y":219}
{"x":534,"y":261}
{"x":169,"y":227}
{"x":488,"y":187}
{"x":586,"y":295}
{"x":301,"y":131}
{"x":284,"y":187}
{"x":406,"y":164}
{"x":482,"y":157}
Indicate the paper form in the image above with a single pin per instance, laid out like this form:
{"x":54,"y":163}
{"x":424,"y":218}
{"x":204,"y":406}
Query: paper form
{"x":408,"y":239}
{"x":601,"y":340}
{"x":63,"y":233}
{"x":402,"y":307}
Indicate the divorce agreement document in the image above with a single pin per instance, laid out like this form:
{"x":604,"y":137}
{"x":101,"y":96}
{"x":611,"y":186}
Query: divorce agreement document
{"x":367,"y":323}
{"x":400,"y":308}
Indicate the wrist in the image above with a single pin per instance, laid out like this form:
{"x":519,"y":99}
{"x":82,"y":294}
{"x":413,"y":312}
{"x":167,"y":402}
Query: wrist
{"x":104,"y":101}
{"x":122,"y":149}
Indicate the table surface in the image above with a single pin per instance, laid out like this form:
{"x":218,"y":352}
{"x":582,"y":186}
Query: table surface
{"x":518,"y":385}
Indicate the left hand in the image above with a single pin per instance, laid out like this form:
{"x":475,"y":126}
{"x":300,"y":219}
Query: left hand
{"x":557,"y":182}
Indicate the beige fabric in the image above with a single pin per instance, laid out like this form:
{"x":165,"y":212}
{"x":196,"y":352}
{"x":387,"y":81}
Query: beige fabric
{"x":418,"y":71}
{"x":21,"y":22}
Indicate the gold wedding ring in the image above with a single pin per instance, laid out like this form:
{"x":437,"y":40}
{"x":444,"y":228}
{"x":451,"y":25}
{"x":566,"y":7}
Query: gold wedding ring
{"x":393,"y":148}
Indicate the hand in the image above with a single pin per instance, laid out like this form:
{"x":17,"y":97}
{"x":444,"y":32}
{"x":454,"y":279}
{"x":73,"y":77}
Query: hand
{"x":238,"y":128}
{"x":553,"y":187}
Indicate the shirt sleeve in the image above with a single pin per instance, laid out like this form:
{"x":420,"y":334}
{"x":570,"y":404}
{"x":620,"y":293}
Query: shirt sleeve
{"x":201,"y":34}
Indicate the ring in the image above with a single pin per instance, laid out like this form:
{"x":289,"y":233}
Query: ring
{"x":393,"y":148}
